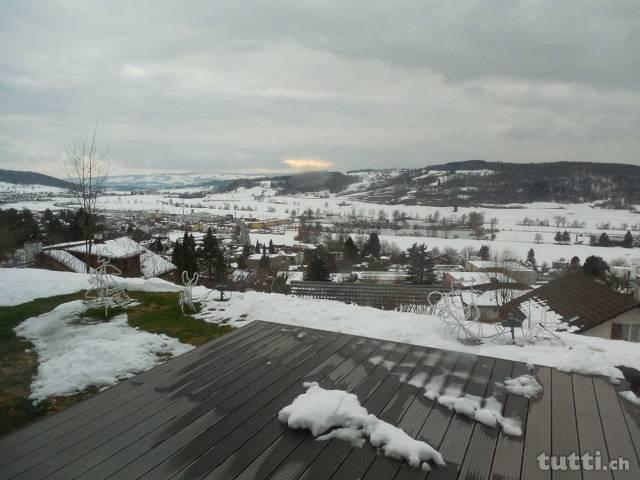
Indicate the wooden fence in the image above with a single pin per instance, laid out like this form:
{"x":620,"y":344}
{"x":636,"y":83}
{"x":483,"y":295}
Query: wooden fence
{"x":411,"y":298}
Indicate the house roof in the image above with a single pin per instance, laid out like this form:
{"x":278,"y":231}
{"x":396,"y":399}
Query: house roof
{"x":577,"y":295}
{"x":212,"y":414}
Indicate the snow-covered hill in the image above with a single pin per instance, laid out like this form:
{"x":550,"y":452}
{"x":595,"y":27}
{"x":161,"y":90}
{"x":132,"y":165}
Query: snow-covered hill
{"x":163,"y":181}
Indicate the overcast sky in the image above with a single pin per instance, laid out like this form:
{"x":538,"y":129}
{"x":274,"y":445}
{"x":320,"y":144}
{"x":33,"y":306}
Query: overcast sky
{"x":270,"y":85}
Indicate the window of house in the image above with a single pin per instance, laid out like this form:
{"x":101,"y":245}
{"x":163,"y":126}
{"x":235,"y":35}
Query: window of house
{"x":629,"y":332}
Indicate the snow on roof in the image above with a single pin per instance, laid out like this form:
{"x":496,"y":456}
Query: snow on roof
{"x":467,"y":279}
{"x":489,"y":298}
{"x":511,"y":266}
{"x":122,"y":247}
{"x":66,"y":259}
{"x":153,"y":265}
{"x":536,"y":310}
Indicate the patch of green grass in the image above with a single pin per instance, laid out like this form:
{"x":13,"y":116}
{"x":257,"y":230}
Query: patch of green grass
{"x":156,"y":313}
{"x":160,"y":313}
{"x":97,"y":313}
{"x":18,"y":366}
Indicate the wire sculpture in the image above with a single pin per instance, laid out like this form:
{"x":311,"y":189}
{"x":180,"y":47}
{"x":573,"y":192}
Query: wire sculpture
{"x":186,"y":295}
{"x":103,"y":289}
{"x":461,"y":317}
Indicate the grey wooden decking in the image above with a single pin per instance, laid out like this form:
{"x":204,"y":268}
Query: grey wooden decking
{"x":211,"y":414}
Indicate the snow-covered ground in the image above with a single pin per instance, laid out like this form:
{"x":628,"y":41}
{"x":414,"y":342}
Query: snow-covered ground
{"x":75,"y":353}
{"x":571,"y":353}
{"x":20,"y":285}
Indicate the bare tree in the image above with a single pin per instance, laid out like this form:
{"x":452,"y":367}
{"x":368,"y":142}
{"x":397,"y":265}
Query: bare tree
{"x":87,"y":170}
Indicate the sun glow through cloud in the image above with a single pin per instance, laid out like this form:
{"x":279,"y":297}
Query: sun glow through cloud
{"x":307,"y":164}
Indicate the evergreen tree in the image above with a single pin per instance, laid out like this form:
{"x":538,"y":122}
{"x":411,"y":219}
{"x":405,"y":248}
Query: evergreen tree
{"x":317,"y":270}
{"x":566,"y":237}
{"x":264,"y":263}
{"x":604,"y":240}
{"x":257,"y":246}
{"x":221,"y":266}
{"x":628,"y":240}
{"x":210,"y":251}
{"x":421,"y":265}
{"x":484,"y":253}
{"x":531,"y":257}
{"x":177,"y":256}
{"x":372,"y":246}
{"x":350,"y":252}
{"x":189,"y":256}
{"x":596,"y":267}
{"x":574,"y":264}
{"x":558,"y":237}
{"x":272,"y":249}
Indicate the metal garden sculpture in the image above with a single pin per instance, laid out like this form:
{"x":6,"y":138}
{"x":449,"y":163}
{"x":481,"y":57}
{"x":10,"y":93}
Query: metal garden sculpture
{"x":103,"y":290}
{"x":186,"y":295}
{"x":461,"y":317}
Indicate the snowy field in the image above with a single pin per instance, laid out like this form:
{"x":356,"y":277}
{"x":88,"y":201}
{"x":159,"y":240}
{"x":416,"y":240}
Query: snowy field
{"x":262,"y":203}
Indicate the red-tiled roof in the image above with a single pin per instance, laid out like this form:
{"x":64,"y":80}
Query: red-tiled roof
{"x":578,"y":295}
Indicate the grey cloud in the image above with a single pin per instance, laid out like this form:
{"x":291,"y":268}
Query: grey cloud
{"x":242,"y":85}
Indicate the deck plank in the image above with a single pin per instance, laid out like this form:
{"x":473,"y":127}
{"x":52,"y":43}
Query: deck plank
{"x":564,"y":430}
{"x":590,"y":433}
{"x":455,"y":443}
{"x":616,"y":433}
{"x":478,"y":460}
{"x":507,"y":461}
{"x":538,"y":430}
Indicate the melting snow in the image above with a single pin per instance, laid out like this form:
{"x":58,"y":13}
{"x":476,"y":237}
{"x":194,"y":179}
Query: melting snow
{"x":338,"y":414}
{"x":75,"y":354}
{"x":524,"y":385}
{"x":630,"y":397}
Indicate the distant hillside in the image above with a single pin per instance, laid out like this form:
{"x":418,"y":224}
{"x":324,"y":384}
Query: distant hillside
{"x":32,"y":178}
{"x":333,"y":182}
{"x":478,"y":181}
{"x":165,"y":181}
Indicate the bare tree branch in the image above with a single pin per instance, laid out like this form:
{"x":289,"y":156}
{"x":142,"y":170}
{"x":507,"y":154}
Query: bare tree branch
{"x":87,"y":170}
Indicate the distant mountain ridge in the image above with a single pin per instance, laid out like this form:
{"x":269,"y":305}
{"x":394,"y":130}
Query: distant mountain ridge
{"x":479,"y":181}
{"x":32,"y":178}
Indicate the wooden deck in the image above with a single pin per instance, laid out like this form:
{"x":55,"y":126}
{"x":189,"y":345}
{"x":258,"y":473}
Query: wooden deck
{"x":211,"y":414}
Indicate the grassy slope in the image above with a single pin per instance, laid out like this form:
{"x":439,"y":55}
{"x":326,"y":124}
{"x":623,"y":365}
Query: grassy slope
{"x":157,"y":313}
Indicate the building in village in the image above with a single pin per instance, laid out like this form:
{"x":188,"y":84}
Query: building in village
{"x":131,"y":258}
{"x":585,"y":305}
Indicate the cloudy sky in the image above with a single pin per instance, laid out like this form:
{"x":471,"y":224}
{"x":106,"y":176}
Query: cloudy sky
{"x":275,"y":85}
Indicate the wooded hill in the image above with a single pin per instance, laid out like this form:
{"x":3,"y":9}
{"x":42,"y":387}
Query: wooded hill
{"x":477,"y":182}
{"x":32,"y":178}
